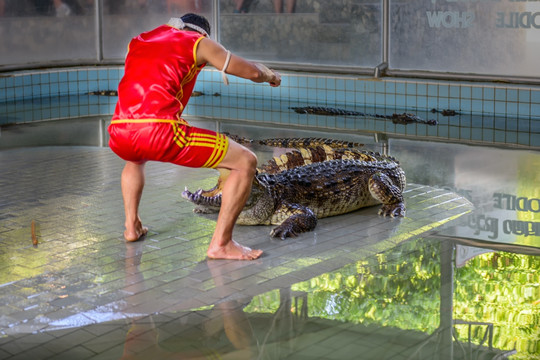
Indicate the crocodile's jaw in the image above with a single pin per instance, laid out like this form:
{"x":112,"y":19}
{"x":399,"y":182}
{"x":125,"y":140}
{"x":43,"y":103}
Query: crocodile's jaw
{"x":258,"y":209}
{"x":208,"y":201}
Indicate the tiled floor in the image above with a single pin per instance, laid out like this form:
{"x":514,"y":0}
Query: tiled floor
{"x":83,"y":293}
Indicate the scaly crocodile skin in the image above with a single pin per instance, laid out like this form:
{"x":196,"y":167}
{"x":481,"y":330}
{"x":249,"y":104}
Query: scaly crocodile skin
{"x":308,"y":155}
{"x":307,"y":142}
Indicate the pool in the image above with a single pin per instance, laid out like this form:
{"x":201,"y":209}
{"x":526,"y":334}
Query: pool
{"x":457,"y":278}
{"x":493,"y":114}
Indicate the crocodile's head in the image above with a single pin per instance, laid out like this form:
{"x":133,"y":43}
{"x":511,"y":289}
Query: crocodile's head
{"x":258,"y":209}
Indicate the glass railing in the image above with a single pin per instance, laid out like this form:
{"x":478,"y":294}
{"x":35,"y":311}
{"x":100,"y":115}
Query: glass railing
{"x":479,"y":40}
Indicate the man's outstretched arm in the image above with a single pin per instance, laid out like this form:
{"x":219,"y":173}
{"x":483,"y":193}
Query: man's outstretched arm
{"x":215,"y":54}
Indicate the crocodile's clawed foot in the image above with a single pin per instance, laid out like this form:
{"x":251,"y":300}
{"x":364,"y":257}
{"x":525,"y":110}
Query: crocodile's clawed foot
{"x":283,"y":232}
{"x":393,"y":210}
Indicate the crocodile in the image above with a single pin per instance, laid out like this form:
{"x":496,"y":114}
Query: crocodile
{"x":293,"y":194}
{"x":446,"y":112}
{"x":104,"y":93}
{"x":403,"y":119}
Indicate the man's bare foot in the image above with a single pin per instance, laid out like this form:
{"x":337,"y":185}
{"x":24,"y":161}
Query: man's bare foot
{"x":233,"y":251}
{"x":135,"y":232}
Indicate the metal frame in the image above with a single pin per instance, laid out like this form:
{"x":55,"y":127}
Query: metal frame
{"x":385,"y":14}
{"x":98,"y":12}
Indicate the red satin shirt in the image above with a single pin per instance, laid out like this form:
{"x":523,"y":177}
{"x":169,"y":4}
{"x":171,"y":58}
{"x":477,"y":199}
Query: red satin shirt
{"x":160,"y":73}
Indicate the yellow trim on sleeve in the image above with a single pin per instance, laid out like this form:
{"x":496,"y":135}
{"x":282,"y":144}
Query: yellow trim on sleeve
{"x":195,"y":52}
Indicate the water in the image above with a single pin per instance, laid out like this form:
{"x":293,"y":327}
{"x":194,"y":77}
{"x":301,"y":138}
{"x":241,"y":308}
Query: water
{"x":340,"y":292}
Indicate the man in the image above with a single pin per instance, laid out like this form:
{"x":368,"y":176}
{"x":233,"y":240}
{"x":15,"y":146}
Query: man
{"x":161,"y":68}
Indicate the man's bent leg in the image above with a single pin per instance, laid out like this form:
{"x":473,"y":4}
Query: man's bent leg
{"x":132,"y":188}
{"x":235,"y":192}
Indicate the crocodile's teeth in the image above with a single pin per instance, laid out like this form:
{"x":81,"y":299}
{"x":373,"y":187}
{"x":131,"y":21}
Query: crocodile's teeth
{"x":186,"y":194}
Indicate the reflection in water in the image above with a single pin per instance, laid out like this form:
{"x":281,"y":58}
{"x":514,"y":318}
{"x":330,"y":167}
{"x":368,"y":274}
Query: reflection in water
{"x":392,"y":298}
{"x":409,"y":300}
{"x":227,"y":318}
{"x":501,"y":183}
{"x":501,"y":289}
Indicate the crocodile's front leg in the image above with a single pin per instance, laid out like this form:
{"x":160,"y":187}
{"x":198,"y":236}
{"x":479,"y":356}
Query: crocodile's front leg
{"x":383,"y":189}
{"x":293,"y":219}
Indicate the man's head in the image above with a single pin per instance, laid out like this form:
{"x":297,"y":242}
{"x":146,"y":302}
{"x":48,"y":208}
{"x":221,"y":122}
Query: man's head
{"x":197,"y":23}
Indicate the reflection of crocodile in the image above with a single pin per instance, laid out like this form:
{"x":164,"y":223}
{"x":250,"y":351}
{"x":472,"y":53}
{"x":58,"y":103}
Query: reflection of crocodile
{"x":403,"y":119}
{"x":294,"y":197}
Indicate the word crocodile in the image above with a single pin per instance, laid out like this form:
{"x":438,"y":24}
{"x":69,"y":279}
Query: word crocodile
{"x":294,"y":190}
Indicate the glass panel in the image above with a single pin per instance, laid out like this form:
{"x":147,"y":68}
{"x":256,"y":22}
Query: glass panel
{"x":483,"y":37}
{"x":124,"y":19}
{"x":39,"y":31}
{"x":322,"y":33}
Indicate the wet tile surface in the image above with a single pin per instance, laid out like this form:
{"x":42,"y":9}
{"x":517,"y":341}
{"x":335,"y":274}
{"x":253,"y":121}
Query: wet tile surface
{"x":83,"y":293}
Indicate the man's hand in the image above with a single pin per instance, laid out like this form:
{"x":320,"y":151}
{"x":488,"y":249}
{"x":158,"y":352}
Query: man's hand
{"x":270,"y":76}
{"x":277,"y":79}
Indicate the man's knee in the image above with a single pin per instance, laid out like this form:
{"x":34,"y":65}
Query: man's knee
{"x":240,"y":158}
{"x":250,"y":160}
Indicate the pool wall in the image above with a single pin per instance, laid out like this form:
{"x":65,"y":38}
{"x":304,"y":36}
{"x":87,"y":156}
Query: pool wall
{"x":492,"y":113}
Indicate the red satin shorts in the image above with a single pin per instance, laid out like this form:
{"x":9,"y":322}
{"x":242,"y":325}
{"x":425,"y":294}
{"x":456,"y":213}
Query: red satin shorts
{"x":167,"y":141}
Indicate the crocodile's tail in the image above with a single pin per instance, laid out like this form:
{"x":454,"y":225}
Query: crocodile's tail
{"x":309,"y":142}
{"x":296,"y":142}
{"x":322,"y":110}
{"x":239,"y":139}
{"x":316,"y":154}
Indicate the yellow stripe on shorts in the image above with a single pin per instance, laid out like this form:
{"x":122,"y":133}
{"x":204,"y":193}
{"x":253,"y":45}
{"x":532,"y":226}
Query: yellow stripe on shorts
{"x":220,"y":149}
